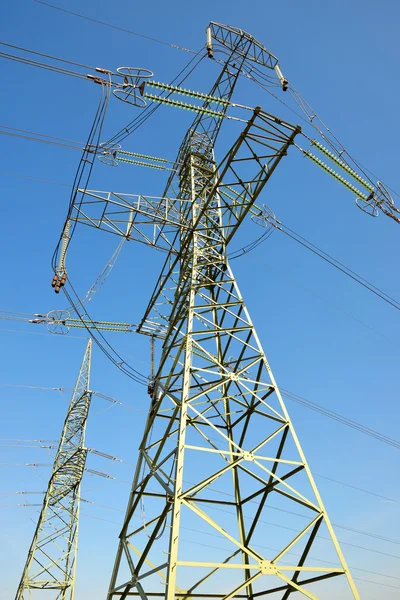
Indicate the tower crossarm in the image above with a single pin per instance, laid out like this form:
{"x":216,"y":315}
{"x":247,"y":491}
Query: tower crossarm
{"x":229,"y":37}
{"x":132,"y":216}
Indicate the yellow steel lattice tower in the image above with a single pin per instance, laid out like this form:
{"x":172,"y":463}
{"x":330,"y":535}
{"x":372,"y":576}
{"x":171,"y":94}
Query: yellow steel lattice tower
{"x":223,"y":503}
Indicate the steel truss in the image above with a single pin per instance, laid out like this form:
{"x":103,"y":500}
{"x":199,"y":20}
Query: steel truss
{"x":218,"y":419}
{"x":50,"y":567}
{"x":219,"y":451}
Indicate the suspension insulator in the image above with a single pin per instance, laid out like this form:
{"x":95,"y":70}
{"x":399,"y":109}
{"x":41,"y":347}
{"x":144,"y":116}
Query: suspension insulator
{"x":340,"y":163}
{"x":334,"y":174}
{"x":173,"y":89}
{"x":282,"y":79}
{"x":209,"y":45}
{"x":140,"y":163}
{"x":185,"y":106}
{"x":146,"y":156}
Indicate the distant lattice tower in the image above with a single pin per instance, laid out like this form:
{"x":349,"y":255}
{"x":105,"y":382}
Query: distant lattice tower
{"x":49,"y":571}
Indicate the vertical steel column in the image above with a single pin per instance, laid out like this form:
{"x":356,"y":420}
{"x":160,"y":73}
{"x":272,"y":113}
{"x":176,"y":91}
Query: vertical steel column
{"x":180,"y":453}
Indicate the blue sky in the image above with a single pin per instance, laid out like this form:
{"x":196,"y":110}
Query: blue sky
{"x":343,"y":58}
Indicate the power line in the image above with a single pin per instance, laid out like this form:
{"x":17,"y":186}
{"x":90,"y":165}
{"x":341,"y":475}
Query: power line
{"x":354,"y":487}
{"x":21,"y":440}
{"x":6,"y":315}
{"x":63,"y":389}
{"x":25,"y":447}
{"x":329,"y":303}
{"x":272,"y":507}
{"x":326,"y":412}
{"x":336,"y":263}
{"x":114,"y":401}
{"x":267,"y":522}
{"x":23,"y":492}
{"x":39,"y":179}
{"x":152,"y":39}
{"x":40,"y":65}
{"x":343,"y":483}
{"x":344,"y":527}
{"x":101,"y":505}
{"x":34,"y":387}
{"x":76,"y":337}
{"x":48,"y":139}
{"x":264,"y":547}
{"x":97,"y":518}
{"x":71,"y":62}
{"x":43,"y":135}
{"x":341,"y":418}
{"x":24,"y":504}
{"x":318,"y":536}
{"x":4,"y":464}
{"x":204,"y":533}
{"x":36,"y":139}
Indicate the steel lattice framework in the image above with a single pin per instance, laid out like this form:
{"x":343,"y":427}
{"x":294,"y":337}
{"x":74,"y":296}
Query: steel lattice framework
{"x":219,"y":448}
{"x":50,"y":567}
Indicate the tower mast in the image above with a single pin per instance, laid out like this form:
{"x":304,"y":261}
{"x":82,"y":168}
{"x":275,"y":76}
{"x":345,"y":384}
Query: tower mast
{"x":219,"y":451}
{"x":49,"y":570}
{"x":217,"y":422}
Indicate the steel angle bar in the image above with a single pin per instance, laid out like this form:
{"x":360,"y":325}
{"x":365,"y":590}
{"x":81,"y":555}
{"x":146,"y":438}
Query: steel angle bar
{"x":197,"y":510}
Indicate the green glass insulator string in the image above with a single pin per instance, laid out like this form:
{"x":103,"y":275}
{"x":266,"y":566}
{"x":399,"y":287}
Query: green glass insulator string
{"x":334,"y":174}
{"x":141,"y":163}
{"x":343,"y":165}
{"x":184,"y":105}
{"x":193,"y":94}
{"x":147,"y":157}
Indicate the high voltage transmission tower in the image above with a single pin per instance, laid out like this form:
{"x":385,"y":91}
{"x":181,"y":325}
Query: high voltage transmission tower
{"x":49,"y":570}
{"x":219,"y":443}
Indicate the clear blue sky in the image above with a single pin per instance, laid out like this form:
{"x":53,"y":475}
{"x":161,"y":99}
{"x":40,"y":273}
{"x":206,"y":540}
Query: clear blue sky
{"x":343,"y":57}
